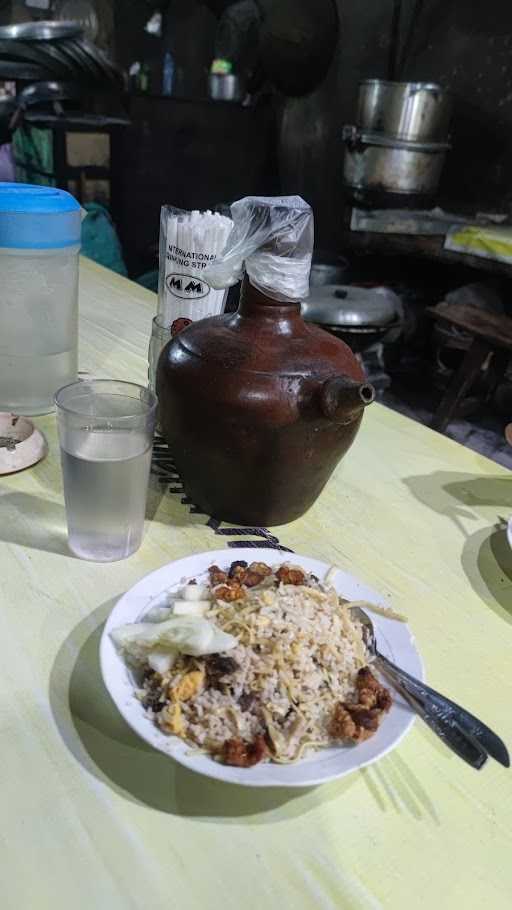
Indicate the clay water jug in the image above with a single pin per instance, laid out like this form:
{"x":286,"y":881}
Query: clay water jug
{"x":258,"y":406}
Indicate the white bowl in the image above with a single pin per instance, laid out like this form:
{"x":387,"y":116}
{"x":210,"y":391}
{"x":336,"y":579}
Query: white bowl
{"x":394,"y":639}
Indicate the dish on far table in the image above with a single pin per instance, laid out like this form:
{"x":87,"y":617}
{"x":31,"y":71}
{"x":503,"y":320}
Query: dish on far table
{"x":252,"y":705}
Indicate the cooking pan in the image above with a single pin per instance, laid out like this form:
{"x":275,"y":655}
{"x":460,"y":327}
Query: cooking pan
{"x":108,"y":70}
{"x":18,"y":51}
{"x":20,"y":71}
{"x":82,"y":59}
{"x":59,"y":59}
{"x":40,"y":31}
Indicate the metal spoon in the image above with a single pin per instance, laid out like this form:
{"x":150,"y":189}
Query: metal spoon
{"x":461,"y":731}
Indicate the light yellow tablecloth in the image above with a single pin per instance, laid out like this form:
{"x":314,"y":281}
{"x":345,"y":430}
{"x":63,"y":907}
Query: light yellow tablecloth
{"x":93,"y":819}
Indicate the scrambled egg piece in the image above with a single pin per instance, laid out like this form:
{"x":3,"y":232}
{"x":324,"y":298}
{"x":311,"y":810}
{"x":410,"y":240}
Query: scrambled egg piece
{"x":171,"y":720}
{"x":190,"y":685}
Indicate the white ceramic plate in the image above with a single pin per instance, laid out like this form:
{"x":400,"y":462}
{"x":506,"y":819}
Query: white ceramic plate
{"x":394,"y":639}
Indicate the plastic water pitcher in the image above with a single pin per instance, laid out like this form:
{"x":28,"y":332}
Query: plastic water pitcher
{"x":39,"y":246}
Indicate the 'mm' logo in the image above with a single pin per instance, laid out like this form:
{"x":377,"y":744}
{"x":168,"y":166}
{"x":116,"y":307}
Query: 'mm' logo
{"x":187,"y":287}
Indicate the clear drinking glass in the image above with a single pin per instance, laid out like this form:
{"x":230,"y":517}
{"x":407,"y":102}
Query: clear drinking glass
{"x":160,"y":335}
{"x":106,"y":438}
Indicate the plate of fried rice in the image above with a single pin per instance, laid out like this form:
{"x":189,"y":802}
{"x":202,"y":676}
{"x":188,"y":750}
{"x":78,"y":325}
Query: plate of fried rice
{"x":250,"y":666}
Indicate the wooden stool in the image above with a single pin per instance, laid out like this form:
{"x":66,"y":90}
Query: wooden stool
{"x":492,"y":334}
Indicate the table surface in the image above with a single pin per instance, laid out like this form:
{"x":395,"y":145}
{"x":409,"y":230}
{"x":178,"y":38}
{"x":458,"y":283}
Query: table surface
{"x":92,"y":817}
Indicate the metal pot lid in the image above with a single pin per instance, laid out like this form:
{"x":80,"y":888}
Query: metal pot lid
{"x":345,"y":305}
{"x":40,"y":31}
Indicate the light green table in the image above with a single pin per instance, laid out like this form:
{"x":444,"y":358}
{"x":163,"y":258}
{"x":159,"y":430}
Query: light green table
{"x":93,"y":819}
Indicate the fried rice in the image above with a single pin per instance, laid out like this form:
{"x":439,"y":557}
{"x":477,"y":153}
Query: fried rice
{"x":296,"y":669}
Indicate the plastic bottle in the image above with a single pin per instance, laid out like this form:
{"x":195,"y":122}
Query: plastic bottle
{"x":144,"y":78}
{"x":40,"y":230}
{"x":168,"y":74}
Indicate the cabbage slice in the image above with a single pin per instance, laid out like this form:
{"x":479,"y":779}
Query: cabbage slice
{"x":195,"y":592}
{"x":158,"y":614}
{"x":161,"y":661}
{"x":192,"y":635}
{"x":190,"y":607}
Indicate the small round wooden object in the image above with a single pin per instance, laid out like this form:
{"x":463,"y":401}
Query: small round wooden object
{"x":21,"y":443}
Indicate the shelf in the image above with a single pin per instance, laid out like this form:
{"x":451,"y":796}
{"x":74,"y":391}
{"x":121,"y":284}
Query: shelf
{"x":420,"y":246}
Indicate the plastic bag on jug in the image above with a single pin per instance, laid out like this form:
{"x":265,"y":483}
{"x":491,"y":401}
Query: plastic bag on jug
{"x":272,"y":238}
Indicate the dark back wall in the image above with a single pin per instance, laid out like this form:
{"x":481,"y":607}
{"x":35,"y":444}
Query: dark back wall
{"x":466,"y":47}
{"x":311,"y":150}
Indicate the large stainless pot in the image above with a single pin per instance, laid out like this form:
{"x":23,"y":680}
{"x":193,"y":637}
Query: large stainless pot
{"x":412,"y":111}
{"x":378,"y":164}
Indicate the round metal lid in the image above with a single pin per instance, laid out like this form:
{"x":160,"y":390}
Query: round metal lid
{"x":344,"y":305}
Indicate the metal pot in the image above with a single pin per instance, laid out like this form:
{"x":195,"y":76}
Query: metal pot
{"x":375,"y":163}
{"x":328,"y":269}
{"x":360,"y":317}
{"x":227,"y":87}
{"x":361,"y":338}
{"x":412,"y":111}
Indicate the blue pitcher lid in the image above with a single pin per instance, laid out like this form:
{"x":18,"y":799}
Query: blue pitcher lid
{"x":21,"y":198}
{"x":38,"y":217}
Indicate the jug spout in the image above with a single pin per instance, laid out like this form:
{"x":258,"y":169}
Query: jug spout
{"x":343,"y":398}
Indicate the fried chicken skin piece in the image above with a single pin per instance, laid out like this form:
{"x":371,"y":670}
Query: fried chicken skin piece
{"x":243,"y":754}
{"x":217,"y":576}
{"x":289,"y":576}
{"x":353,"y":722}
{"x":371,"y":692}
{"x":260,"y":568}
{"x":229,"y":593}
{"x":359,"y":720}
{"x":239,"y":573}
